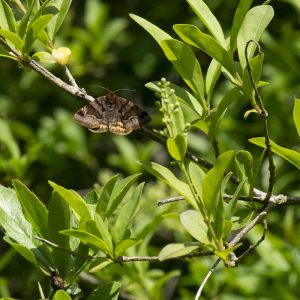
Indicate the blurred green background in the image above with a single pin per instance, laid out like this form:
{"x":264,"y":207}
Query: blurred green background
{"x":39,"y":142}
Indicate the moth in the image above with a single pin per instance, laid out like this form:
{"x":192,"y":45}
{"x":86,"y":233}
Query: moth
{"x":111,"y":113}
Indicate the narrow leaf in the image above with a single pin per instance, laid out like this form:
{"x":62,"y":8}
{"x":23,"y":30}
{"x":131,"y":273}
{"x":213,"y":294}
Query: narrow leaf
{"x":194,"y":224}
{"x":74,"y":200}
{"x":119,"y":191}
{"x":192,"y":35}
{"x":296,"y":115}
{"x":165,"y":175}
{"x":106,"y":291}
{"x":238,"y":19}
{"x":180,"y":55}
{"x":208,"y":19}
{"x":177,"y":147}
{"x":7,"y":19}
{"x":213,"y":179}
{"x":34,"y":210}
{"x":290,"y":155}
{"x":125,"y":244}
{"x":197,"y":176}
{"x":89,"y":239}
{"x":255,"y":22}
{"x":177,"y":250}
{"x":13,"y":38}
{"x":126,"y":215}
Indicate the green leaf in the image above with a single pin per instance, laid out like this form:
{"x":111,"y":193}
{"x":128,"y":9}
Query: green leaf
{"x":99,"y":264}
{"x":22,"y":250}
{"x":224,"y":255}
{"x":126,"y":214}
{"x":74,"y":200}
{"x":296,"y":115}
{"x":58,"y":18}
{"x":213,"y":179}
{"x":179,"y":54}
{"x":22,"y":28}
{"x":182,"y":94}
{"x":177,"y":250}
{"x":34,"y":210}
{"x":177,"y":147}
{"x":255,"y":22}
{"x":44,"y":57}
{"x":238,"y":19}
{"x":106,"y":291}
{"x":18,"y":229}
{"x":290,"y":155}
{"x":212,"y":76}
{"x":165,"y":175}
{"x":13,"y":38}
{"x":103,"y":231}
{"x":61,"y":295}
{"x":7,"y":19}
{"x":59,"y":218}
{"x":8,"y":140}
{"x":34,"y":30}
{"x":104,"y":197}
{"x":231,"y":207}
{"x":89,"y":239}
{"x":208,"y":19}
{"x":194,"y":224}
{"x":244,"y":165}
{"x":197,"y":176}
{"x":125,"y":244}
{"x":119,"y":191}
{"x":216,"y":117}
{"x":193,"y":36}
{"x":256,"y":68}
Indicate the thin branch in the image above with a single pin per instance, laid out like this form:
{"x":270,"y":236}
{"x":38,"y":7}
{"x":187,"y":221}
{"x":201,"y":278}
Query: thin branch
{"x":211,"y":270}
{"x":252,"y":247}
{"x":70,"y":77}
{"x":264,"y":115}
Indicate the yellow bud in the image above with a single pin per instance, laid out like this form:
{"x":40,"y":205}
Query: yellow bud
{"x":61,"y":55}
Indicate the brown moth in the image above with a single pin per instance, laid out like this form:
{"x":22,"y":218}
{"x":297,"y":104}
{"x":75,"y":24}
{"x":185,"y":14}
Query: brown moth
{"x":111,"y":113}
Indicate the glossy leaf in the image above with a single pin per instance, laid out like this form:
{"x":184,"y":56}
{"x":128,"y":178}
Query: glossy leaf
{"x":290,"y":155}
{"x":7,"y":19}
{"x":25,"y":19}
{"x":256,"y":69}
{"x":165,"y":175}
{"x":61,"y":295}
{"x":238,"y":19}
{"x":194,"y":224}
{"x":106,"y":291}
{"x":197,"y":176}
{"x":119,"y":191}
{"x":126,"y":214}
{"x":59,"y":218}
{"x":212,"y":75}
{"x":179,"y":54}
{"x":104,"y":197}
{"x":208,"y":19}
{"x":177,"y":250}
{"x":13,"y":38}
{"x":58,"y":18}
{"x":89,"y":239}
{"x":34,"y":30}
{"x":102,"y":230}
{"x":177,"y":147}
{"x":254,"y":24}
{"x":193,"y":36}
{"x":75,"y":201}
{"x":34,"y":210}
{"x":213,"y":179}
{"x":99,"y":264}
{"x":125,"y":244}
{"x":296,"y":115}
{"x":244,"y":168}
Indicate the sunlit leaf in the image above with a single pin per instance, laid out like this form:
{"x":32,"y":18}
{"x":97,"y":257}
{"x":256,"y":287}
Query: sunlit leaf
{"x":177,"y":250}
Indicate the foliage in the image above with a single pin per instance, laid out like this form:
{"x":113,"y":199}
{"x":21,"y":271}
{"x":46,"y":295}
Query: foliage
{"x":104,"y":231}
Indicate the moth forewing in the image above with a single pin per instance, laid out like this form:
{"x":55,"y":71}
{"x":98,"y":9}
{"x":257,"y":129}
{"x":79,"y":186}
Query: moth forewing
{"x":111,"y":113}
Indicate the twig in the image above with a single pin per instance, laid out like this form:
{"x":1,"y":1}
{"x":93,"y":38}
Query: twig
{"x":211,"y":270}
{"x":252,"y":247}
{"x":264,"y":115}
